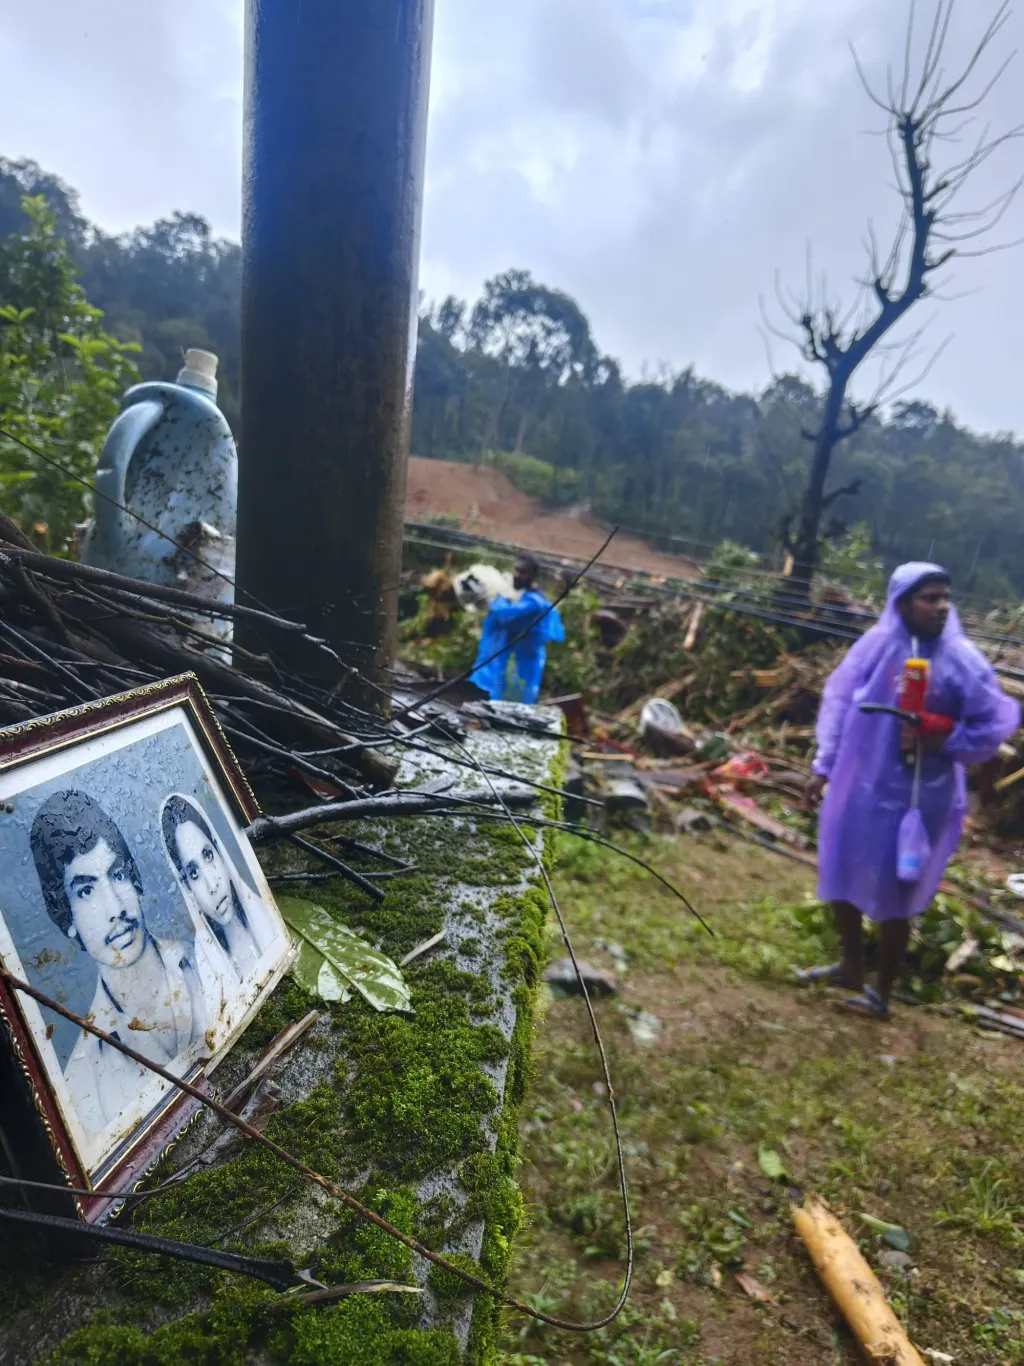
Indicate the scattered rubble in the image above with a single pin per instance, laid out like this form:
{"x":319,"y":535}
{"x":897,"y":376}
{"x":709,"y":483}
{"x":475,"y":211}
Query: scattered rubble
{"x":562,"y":977}
{"x":700,"y":722}
{"x":644,"y":1026}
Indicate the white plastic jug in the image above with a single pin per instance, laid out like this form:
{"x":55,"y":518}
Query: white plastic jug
{"x":170,"y":458}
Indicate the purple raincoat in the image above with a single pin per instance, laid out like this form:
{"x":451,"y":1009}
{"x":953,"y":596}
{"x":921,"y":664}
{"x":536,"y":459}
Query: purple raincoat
{"x":869,"y":788}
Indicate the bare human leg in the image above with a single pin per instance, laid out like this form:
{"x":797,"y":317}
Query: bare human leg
{"x":849,"y":971}
{"x":894,"y":935}
{"x":851,"y":938}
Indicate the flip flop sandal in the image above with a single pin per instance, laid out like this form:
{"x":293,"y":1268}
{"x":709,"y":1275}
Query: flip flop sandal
{"x":867,"y":1003}
{"x":831,"y":975}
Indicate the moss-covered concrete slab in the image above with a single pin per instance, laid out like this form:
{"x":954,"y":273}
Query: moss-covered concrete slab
{"x":414,"y":1113}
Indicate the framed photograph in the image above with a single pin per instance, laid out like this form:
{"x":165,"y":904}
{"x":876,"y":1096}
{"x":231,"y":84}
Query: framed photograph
{"x":130,"y":894}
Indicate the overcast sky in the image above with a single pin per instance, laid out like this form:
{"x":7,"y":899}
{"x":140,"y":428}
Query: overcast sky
{"x":660,"y":160}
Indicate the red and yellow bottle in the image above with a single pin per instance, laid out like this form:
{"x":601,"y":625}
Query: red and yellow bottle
{"x":912,"y":693}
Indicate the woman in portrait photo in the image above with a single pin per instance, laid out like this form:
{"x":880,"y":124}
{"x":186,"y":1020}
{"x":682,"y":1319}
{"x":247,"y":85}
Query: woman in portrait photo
{"x":218,"y":895}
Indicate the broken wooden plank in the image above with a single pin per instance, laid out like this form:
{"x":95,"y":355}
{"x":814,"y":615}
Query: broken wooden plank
{"x":853,"y":1286}
{"x":694,"y":626}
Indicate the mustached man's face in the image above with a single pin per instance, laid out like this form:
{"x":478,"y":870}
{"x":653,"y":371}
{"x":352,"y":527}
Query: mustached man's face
{"x":106,"y":917}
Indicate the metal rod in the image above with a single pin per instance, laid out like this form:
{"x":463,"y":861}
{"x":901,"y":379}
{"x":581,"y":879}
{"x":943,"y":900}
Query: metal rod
{"x":281,"y":1275}
{"x":335,"y":122}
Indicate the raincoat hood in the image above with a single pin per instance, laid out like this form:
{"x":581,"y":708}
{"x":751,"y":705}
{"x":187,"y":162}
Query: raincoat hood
{"x":903,"y":580}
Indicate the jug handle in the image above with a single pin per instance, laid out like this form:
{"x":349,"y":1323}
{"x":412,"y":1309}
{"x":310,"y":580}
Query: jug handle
{"x":111,"y":477}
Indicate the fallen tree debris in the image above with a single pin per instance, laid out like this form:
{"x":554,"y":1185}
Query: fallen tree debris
{"x":73,"y":634}
{"x":281,"y":1275}
{"x":274,"y":1051}
{"x":853,"y":1286}
{"x":423,"y":948}
{"x":753,"y":1288}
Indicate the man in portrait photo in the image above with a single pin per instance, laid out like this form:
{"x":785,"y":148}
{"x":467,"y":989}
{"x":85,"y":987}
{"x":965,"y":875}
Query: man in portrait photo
{"x":149,"y":992}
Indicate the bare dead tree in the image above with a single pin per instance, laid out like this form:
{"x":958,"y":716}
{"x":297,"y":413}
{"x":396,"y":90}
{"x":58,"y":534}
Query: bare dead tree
{"x":927,"y":114}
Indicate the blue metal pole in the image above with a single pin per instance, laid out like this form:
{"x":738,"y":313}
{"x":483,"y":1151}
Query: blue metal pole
{"x":335,"y":120}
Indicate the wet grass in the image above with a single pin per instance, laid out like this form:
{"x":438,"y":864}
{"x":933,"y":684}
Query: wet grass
{"x":918,"y":1122}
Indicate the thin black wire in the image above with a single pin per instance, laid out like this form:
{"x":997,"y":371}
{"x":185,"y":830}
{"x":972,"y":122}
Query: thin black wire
{"x":682,"y":589}
{"x":258,"y":1216}
{"x":329,"y":877}
{"x":368,"y":849}
{"x":26,"y":643}
{"x":71,"y":474}
{"x":468,"y":539}
{"x":310,"y":1173}
{"x":581,"y":832}
{"x":666,"y":586}
{"x":279,"y":752}
{"x":479,"y":767}
{"x":102,"y":1194}
{"x":341,"y":869}
{"x":280,"y":1275}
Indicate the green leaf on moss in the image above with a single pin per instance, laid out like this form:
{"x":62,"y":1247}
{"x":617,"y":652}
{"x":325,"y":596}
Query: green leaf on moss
{"x":770,"y":1163}
{"x":332,"y":958}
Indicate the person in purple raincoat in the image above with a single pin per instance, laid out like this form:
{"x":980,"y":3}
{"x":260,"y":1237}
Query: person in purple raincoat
{"x":867,"y":786}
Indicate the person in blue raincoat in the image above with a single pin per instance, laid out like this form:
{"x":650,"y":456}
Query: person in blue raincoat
{"x":515,"y":674}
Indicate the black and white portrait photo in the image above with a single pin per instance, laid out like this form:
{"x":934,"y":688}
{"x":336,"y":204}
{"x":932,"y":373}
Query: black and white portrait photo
{"x":220,"y":898}
{"x":137,"y":902}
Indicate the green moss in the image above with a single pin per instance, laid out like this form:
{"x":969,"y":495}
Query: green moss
{"x":357,"y":1250}
{"x":219,"y":1336}
{"x":443,"y":980}
{"x":441,"y":1220}
{"x":451,"y":1290}
{"x":418,"y":1096}
{"x":99,"y":1346}
{"x":225,"y":1197}
{"x":357,"y":1333}
{"x":288,"y":1003}
{"x":409,"y":1096}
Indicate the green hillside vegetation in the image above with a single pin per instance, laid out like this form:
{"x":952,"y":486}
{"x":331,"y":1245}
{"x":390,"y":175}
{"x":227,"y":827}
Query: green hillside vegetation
{"x":519,"y":373}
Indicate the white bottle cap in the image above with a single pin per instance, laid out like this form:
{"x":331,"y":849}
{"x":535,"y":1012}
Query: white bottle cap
{"x":200,"y":371}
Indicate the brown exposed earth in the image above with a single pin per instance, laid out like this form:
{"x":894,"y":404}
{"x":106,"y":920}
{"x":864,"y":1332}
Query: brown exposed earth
{"x":486,"y":504}
{"x":911,"y":1120}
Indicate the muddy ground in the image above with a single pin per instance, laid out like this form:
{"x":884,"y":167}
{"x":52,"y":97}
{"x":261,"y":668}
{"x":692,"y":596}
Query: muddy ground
{"x":486,"y":504}
{"x":918,"y":1122}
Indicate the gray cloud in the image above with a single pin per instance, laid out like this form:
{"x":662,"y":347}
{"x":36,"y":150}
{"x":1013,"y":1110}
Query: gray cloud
{"x":583,"y":63}
{"x":135,"y":104}
{"x":660,"y":159}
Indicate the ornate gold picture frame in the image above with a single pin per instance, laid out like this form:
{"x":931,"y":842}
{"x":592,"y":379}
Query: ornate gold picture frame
{"x":129,"y":894}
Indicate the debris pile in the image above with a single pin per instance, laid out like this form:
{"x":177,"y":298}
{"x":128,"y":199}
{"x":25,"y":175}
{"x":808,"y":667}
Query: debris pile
{"x":681,"y":682}
{"x":70,"y":634}
{"x":967,"y":953}
{"x":715,"y":738}
{"x":697,"y":719}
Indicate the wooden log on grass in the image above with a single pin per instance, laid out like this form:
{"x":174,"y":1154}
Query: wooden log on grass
{"x":853,"y":1286}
